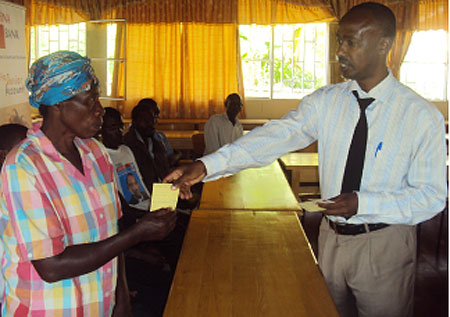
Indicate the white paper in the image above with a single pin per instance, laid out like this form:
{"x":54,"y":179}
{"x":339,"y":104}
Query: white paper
{"x":311,"y":205}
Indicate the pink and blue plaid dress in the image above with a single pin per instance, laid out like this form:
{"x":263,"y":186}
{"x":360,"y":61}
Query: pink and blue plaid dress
{"x":49,"y":205}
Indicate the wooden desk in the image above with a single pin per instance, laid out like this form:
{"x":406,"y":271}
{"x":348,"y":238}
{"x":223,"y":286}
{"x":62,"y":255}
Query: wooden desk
{"x":197,"y":124}
{"x":180,"y":139}
{"x":235,"y":263}
{"x":264,"y":188}
{"x":304,"y":169}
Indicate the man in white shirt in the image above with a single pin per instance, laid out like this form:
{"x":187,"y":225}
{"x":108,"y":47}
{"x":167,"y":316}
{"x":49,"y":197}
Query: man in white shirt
{"x":367,"y":241}
{"x":224,"y":128}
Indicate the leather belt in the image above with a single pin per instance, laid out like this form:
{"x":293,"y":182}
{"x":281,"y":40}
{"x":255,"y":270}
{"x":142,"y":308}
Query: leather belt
{"x":351,"y":229}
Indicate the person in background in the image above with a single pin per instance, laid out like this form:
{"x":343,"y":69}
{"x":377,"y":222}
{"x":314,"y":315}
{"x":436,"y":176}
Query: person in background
{"x":224,"y":128}
{"x":149,"y":152}
{"x":63,"y":252}
{"x":150,"y":265}
{"x":11,"y":134}
{"x":382,"y":157}
{"x":172,"y":156}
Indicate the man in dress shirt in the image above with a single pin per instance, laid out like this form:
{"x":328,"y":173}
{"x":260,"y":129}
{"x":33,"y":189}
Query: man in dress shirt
{"x":224,"y":128}
{"x":59,"y":206}
{"x":367,"y":241}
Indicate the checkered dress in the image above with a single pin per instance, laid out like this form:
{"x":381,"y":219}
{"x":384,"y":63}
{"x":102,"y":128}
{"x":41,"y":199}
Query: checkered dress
{"x":47,"y":205}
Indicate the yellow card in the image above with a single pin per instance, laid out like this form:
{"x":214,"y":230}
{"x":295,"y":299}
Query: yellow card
{"x":164,"y":197}
{"x":311,"y":205}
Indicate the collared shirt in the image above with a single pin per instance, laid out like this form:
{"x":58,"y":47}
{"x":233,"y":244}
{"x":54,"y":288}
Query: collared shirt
{"x":220,"y":131}
{"x":51,"y":205}
{"x":404,"y":175}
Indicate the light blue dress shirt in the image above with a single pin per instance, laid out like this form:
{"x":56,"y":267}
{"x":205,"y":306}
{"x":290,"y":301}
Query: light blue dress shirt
{"x":404,"y":176}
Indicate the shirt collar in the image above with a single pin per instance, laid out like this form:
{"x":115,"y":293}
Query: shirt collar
{"x":380,"y":92}
{"x":38,"y":137}
{"x":225,"y":117}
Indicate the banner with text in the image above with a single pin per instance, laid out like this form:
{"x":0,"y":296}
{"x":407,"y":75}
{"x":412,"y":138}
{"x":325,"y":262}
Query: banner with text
{"x":14,"y":106}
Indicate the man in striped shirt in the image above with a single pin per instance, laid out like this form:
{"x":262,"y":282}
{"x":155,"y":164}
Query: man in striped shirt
{"x":59,"y":204}
{"x":367,"y":241}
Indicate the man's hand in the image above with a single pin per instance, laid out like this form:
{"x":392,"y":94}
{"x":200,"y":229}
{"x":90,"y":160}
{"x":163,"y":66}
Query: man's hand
{"x":185,"y":176}
{"x":156,"y":225}
{"x":345,"y":205}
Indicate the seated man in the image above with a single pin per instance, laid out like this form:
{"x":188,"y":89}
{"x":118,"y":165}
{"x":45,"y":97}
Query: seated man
{"x":224,"y":128}
{"x":148,"y":149}
{"x":172,"y":156}
{"x":150,"y":265}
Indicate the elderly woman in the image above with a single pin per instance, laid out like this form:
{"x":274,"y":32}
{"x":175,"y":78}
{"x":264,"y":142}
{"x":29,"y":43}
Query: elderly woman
{"x":60,"y":205}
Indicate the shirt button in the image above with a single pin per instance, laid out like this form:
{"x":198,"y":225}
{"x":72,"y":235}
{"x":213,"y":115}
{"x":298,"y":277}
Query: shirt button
{"x":101,"y":216}
{"x":107,"y":294}
{"x":30,"y":255}
{"x":108,"y":270}
{"x":91,"y":189}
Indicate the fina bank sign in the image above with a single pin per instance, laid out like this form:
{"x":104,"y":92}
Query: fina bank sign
{"x":14,"y":107}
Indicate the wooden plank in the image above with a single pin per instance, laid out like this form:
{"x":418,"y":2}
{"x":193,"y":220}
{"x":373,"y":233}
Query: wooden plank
{"x":264,"y":188}
{"x":241,"y":263}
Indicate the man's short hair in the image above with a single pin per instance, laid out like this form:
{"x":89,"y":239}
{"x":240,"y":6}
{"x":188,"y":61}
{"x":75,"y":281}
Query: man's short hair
{"x":145,"y":105}
{"x":112,"y":113}
{"x":231,"y":97}
{"x":383,"y":16}
{"x":10,"y":133}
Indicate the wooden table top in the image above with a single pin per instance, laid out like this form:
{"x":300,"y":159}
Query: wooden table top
{"x":235,"y":263}
{"x":299,"y":159}
{"x":180,"y":134}
{"x":264,"y":188}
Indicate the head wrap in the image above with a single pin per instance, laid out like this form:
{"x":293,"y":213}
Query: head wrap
{"x":58,"y":77}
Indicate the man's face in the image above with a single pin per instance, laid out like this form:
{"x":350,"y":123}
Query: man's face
{"x":234,"y":106}
{"x":358,"y":47}
{"x":112,"y":130}
{"x":133,"y":186}
{"x":146,"y":123}
{"x":82,"y":114}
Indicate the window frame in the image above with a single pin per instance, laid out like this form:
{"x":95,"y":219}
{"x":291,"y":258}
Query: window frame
{"x":35,"y":40}
{"x":271,"y":63}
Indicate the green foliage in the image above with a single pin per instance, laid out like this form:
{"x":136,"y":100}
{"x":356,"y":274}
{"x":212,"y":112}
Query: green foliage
{"x":287,"y":72}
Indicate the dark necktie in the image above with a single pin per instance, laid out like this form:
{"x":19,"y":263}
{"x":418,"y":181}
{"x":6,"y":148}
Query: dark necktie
{"x":357,"y":151}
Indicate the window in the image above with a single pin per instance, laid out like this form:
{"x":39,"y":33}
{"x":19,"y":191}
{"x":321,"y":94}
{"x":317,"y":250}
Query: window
{"x":283,"y":61}
{"x":425,"y":66}
{"x":47,"y":39}
{"x":103,"y":41}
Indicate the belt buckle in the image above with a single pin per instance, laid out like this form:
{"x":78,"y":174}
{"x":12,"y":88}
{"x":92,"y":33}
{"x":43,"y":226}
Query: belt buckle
{"x":334,"y":227}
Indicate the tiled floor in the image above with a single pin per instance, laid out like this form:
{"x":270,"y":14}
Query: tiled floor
{"x":431,"y":294}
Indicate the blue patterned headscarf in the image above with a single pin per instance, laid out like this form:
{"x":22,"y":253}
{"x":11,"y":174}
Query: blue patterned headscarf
{"x":58,"y":77}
